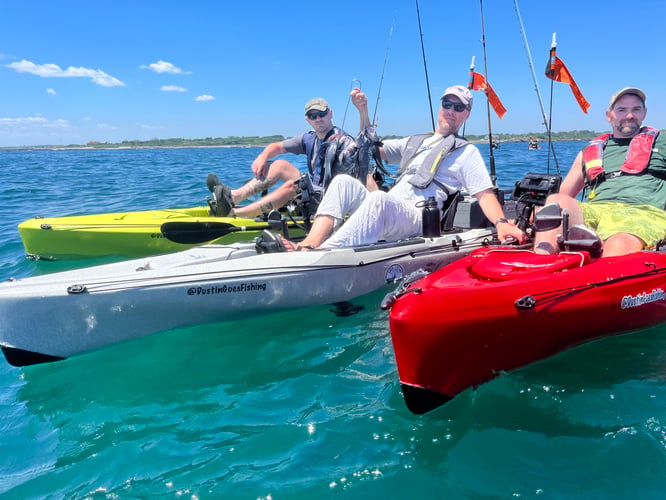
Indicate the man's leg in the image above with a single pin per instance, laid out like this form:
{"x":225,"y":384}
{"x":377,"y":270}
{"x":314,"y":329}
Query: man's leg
{"x":381,"y":217}
{"x":343,"y":196}
{"x":279,"y":170}
{"x":545,"y":242}
{"x":277,"y":198}
{"x":622,"y":244}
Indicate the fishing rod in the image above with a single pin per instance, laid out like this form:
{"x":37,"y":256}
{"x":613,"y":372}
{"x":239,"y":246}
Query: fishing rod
{"x":425,"y":66}
{"x":376,"y":155}
{"x":493,"y":176}
{"x":546,"y":121}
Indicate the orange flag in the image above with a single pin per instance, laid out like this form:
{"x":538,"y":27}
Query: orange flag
{"x":478,"y":82}
{"x":557,"y":71}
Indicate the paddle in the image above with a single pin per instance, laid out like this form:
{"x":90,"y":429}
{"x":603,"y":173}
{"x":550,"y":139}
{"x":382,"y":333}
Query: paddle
{"x":202,"y":232}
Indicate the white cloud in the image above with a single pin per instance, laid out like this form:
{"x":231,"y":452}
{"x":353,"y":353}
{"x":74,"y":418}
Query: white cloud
{"x":172,"y":88}
{"x":23,"y":120}
{"x":51,"y":91}
{"x":97,"y":76}
{"x":165,"y":67}
{"x":106,"y":126}
{"x":32,"y":123}
{"x":204,"y":97}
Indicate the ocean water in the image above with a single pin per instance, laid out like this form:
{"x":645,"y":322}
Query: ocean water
{"x":301,"y":404}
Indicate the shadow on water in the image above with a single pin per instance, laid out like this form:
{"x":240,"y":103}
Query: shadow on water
{"x":276,"y":396}
{"x":553,"y":418}
{"x":239,"y":356}
{"x":546,"y":388}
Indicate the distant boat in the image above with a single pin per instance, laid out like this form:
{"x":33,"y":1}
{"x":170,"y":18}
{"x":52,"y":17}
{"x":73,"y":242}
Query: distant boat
{"x":533,"y":144}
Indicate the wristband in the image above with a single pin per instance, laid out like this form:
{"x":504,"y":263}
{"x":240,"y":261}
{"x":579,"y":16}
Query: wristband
{"x":500,"y":221}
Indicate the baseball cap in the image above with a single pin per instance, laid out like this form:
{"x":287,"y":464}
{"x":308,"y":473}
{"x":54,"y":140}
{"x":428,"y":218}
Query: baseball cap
{"x":627,"y":90}
{"x":316,"y":104}
{"x":461,"y":93}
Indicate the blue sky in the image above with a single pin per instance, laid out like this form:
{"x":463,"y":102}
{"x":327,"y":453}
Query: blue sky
{"x":74,"y":71}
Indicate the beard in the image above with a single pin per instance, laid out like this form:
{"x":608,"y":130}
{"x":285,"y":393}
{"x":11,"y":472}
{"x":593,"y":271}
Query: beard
{"x":628,"y":128}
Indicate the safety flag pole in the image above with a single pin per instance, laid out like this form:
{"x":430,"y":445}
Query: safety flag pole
{"x":478,"y":82}
{"x":558,"y":72}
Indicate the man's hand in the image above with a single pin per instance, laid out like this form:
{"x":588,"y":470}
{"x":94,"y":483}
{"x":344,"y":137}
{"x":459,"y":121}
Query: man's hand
{"x":260,"y":168}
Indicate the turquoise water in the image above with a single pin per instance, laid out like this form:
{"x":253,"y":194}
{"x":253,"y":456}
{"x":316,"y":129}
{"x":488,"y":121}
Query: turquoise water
{"x":301,"y":404}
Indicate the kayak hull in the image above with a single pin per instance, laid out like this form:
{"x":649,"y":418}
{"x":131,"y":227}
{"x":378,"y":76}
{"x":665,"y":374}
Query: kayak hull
{"x":122,"y":234}
{"x":65,"y":314}
{"x":499,"y":309}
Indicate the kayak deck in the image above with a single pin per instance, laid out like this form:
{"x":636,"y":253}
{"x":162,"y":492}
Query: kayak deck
{"x":59,"y":315}
{"x":122,"y":234}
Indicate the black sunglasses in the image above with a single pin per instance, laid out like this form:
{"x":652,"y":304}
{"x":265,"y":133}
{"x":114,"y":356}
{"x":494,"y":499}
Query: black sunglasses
{"x":457,"y":106}
{"x":313,"y":115}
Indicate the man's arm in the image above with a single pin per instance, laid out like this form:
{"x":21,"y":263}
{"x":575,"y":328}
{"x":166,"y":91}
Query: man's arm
{"x":360,"y":100}
{"x":574,"y":181}
{"x":259,"y":164}
{"x":493,"y":211}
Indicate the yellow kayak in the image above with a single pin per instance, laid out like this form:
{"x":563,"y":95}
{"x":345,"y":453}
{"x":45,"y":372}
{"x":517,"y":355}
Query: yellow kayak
{"x":126,"y":234}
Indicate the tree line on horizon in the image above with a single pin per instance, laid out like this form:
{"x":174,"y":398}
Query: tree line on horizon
{"x":259,"y":141}
{"x":573,"y":135}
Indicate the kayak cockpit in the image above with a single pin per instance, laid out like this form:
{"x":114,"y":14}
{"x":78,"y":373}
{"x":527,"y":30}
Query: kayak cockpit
{"x":504,"y":264}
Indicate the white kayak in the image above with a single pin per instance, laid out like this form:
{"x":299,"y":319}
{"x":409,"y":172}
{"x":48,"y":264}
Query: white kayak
{"x":56,"y":316}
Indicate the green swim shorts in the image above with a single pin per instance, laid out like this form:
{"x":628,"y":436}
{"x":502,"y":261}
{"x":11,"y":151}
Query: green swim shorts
{"x":607,"y":218}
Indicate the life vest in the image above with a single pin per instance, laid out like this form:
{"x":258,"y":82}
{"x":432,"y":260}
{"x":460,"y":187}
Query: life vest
{"x":320,"y":163}
{"x":636,"y":161}
{"x":425,"y":173}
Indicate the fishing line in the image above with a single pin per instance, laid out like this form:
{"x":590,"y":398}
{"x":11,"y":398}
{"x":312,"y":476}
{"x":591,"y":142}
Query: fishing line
{"x":425,"y":66}
{"x":381,"y":79}
{"x":351,"y":87}
{"x":546,"y":121}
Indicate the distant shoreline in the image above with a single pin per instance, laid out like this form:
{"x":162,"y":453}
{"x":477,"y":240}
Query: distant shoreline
{"x":111,"y":147}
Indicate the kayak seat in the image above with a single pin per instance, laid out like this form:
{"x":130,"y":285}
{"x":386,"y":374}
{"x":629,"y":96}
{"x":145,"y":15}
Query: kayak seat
{"x":503,"y":265}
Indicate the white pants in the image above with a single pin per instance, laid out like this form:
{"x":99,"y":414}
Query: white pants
{"x":373,"y":216}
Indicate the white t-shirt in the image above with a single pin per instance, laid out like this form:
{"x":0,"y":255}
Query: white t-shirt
{"x":462,"y":170}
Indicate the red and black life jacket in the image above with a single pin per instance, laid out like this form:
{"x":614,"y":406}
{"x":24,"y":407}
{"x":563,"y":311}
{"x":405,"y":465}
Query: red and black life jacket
{"x":636,"y":161}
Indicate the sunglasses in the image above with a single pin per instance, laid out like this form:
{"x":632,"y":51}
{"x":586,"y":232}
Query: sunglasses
{"x":457,"y":106}
{"x":313,"y":115}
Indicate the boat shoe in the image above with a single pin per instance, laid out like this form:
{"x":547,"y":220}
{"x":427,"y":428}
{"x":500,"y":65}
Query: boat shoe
{"x":212,"y":181}
{"x":221,"y":202}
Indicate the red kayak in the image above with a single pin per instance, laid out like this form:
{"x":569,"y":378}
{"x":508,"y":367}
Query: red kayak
{"x":501,"y":308}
